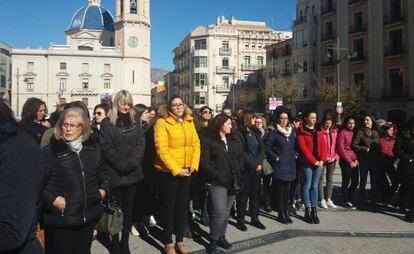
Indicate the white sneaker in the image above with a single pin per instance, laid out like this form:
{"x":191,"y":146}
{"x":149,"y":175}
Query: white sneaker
{"x":331,"y":204}
{"x":134,"y":231}
{"x":323,"y":204}
{"x":152,"y":221}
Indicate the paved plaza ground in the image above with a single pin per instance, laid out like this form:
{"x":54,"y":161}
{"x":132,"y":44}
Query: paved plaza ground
{"x":340,"y":231}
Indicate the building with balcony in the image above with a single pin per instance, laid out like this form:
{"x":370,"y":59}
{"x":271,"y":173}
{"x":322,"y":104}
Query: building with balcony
{"x":102,"y":55}
{"x":210,"y":59}
{"x":5,"y":71}
{"x":376,"y":44}
{"x":279,"y":69}
{"x":306,"y":49}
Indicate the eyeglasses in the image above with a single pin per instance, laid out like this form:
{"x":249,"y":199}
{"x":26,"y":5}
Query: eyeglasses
{"x":71,"y":126}
{"x":207,"y":111}
{"x":177,"y":105}
{"x":257,"y":122}
{"x":97,"y":113}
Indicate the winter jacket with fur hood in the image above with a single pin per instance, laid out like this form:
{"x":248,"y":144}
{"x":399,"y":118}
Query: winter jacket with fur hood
{"x":176,"y":142}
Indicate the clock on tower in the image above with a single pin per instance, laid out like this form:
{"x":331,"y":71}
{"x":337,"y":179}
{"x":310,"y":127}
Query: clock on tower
{"x":132,"y":35}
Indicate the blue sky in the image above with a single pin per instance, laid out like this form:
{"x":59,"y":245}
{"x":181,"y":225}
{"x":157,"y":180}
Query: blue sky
{"x":38,"y":23}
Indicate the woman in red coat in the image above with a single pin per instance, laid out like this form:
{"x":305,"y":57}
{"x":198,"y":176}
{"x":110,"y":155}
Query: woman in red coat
{"x":312,"y":155}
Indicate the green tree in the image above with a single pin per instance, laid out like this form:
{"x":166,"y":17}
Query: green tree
{"x":353,"y":96}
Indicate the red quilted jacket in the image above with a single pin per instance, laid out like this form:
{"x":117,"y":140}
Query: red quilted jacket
{"x":305,"y":144}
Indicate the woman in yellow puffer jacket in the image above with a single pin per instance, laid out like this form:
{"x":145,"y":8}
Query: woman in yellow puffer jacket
{"x":178,"y":156}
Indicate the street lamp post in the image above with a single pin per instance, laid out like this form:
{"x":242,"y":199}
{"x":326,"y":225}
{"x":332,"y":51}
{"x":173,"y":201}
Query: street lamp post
{"x":348,"y":55}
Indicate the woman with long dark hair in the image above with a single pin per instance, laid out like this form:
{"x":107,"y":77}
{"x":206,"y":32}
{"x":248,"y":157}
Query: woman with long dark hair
{"x":222,"y":160}
{"x":33,"y":118}
{"x":123,"y":146}
{"x":280,"y":151}
{"x":22,"y":170}
{"x":366,"y":146}
{"x":178,"y":156}
{"x":312,"y":155}
{"x":204,"y":118}
{"x":348,"y":161}
{"x":251,"y":176}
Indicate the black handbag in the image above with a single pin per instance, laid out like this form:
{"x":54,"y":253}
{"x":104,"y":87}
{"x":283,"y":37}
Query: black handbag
{"x":111,"y":221}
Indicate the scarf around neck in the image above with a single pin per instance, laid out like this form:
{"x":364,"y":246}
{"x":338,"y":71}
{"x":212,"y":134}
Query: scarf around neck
{"x":75,"y":145}
{"x":285,"y":131}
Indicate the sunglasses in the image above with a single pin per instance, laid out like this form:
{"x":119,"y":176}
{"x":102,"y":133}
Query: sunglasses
{"x":97,"y":113}
{"x":207,"y":111}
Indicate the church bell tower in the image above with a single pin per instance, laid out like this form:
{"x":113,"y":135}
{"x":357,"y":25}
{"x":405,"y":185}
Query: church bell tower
{"x":132,"y":38}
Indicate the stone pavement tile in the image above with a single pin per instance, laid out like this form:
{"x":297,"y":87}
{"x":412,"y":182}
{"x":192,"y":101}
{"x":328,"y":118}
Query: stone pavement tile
{"x":331,"y":220}
{"x":338,"y":245}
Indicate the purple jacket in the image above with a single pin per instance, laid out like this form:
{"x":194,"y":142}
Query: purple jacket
{"x":343,"y":145}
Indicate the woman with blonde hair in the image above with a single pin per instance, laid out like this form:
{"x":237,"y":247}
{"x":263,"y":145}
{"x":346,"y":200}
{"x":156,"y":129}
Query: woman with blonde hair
{"x":123,"y":146}
{"x":76,"y":182}
{"x":178,"y":155}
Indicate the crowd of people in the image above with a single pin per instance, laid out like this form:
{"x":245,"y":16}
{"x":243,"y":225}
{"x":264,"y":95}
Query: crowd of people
{"x":169,"y":165}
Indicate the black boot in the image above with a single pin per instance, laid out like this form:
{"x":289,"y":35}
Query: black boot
{"x":125,"y":242}
{"x":241,"y":226}
{"x":115,"y":247}
{"x":212,"y":248}
{"x":314,"y":215}
{"x":282,"y":217}
{"x":308,"y":217}
{"x":256,"y":223}
{"x":223,"y":243}
{"x":287,"y":216}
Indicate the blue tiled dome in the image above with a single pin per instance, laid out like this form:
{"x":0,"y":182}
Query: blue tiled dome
{"x":92,"y":17}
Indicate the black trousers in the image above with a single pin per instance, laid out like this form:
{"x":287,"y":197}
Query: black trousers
{"x":267,"y":190}
{"x":295,"y":184}
{"x":174,"y":195}
{"x":146,"y":197}
{"x":281,"y":192}
{"x":387,"y":170}
{"x":349,"y":176}
{"x":125,"y":197}
{"x":250,"y":190}
{"x":69,"y":240}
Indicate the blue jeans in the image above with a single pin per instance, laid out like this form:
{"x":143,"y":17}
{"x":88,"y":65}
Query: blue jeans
{"x":311,"y":176}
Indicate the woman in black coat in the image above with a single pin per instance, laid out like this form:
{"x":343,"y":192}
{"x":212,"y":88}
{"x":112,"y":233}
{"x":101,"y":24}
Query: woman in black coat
{"x":404,"y":150}
{"x":222,"y":160}
{"x":281,"y":154}
{"x":21,"y":174}
{"x":123,"y":147}
{"x":253,"y":148}
{"x":75,"y":184}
